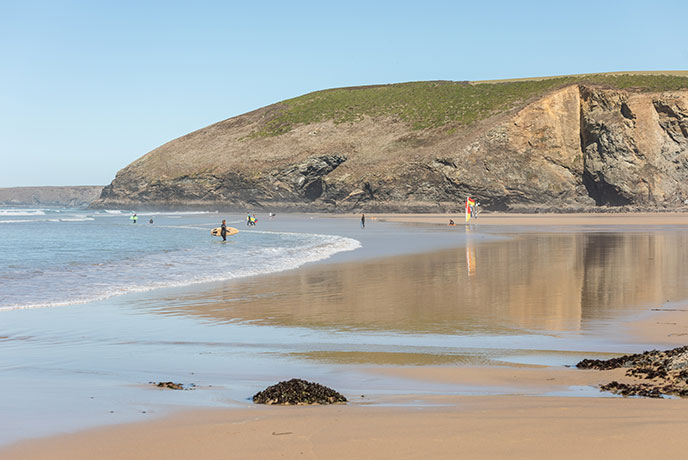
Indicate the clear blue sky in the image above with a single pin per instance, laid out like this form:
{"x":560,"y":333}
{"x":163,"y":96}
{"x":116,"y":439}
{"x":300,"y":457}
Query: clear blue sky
{"x":87,"y":87}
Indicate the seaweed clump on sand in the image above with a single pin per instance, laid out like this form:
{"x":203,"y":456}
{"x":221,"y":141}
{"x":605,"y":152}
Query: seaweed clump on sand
{"x":173,"y":385}
{"x":298,"y":392}
{"x":656,"y":373}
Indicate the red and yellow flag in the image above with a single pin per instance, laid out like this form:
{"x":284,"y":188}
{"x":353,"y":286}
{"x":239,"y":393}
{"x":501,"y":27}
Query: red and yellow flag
{"x":470,"y":202}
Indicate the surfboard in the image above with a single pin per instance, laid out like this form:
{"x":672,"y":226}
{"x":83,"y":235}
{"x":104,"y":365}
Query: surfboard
{"x":230,"y":231}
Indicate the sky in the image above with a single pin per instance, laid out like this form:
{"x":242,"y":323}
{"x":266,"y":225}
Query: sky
{"x":88,"y":87}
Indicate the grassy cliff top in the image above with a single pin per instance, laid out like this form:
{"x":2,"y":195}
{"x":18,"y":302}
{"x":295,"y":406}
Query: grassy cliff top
{"x":434,"y":104}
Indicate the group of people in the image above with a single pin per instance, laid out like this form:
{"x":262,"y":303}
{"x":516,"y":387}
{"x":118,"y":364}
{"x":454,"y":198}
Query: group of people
{"x":135,"y":218}
{"x":251,"y":220}
{"x":471,"y":211}
{"x":474,"y":210}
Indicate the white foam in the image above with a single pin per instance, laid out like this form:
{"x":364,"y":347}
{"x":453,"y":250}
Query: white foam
{"x":268,"y":260}
{"x":72,"y":219}
{"x":174,"y":213}
{"x":22,"y":212}
{"x":62,"y":219}
{"x":170,"y":214}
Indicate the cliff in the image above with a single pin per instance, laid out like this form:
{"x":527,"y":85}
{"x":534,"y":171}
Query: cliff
{"x":571,"y":143}
{"x":69,"y":196}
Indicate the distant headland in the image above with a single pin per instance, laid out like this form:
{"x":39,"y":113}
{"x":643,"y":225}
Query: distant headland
{"x":68,"y":196}
{"x":571,"y":143}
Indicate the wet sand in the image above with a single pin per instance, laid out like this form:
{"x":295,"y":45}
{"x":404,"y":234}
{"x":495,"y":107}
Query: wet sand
{"x":573,"y":219}
{"x":463,"y":427}
{"x":516,"y":425}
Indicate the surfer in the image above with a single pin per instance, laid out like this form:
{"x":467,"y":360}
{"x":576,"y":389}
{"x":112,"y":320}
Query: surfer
{"x":150,"y":221}
{"x":134,"y":218}
{"x":223,"y":231}
{"x":362,"y":220}
{"x":248,"y":219}
{"x":451,"y":222}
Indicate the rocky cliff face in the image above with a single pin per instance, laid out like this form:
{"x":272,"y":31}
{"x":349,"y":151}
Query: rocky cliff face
{"x":635,"y":147}
{"x":575,"y":148}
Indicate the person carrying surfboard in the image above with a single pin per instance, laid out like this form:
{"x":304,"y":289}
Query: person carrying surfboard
{"x":223,"y":231}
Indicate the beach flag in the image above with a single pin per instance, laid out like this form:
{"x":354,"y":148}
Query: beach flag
{"x":470,"y":202}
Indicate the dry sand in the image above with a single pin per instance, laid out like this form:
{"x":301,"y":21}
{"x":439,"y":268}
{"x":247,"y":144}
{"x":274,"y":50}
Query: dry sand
{"x":518,"y":426}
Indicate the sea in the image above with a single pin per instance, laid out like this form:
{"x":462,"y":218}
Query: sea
{"x":96,"y":309}
{"x":52,"y":257}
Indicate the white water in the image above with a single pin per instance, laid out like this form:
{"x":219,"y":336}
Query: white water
{"x":62,"y":257}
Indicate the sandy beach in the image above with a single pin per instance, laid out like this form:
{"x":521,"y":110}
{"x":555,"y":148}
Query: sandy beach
{"x":516,"y":426}
{"x":572,"y":219}
{"x":343,"y":231}
{"x":493,"y":404}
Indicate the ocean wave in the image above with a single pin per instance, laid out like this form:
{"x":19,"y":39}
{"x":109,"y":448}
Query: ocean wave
{"x":72,"y":219}
{"x":62,"y":219}
{"x":21,"y":212}
{"x":181,"y":268}
{"x":173,"y":214}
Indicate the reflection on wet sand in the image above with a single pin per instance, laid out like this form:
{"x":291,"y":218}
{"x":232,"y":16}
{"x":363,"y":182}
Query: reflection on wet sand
{"x":391,"y":358}
{"x":535,"y":281}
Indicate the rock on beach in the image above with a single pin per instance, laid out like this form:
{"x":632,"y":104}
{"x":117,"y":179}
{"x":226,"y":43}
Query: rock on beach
{"x":298,"y":392}
{"x":656,"y":373}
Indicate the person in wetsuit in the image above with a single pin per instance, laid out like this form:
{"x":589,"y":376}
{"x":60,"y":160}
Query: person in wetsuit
{"x":223,"y":230}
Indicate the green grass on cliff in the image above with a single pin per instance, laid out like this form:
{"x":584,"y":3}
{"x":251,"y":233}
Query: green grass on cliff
{"x":438,"y":103}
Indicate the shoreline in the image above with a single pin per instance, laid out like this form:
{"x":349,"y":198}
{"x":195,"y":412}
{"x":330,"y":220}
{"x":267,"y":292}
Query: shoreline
{"x":544,"y":219}
{"x":208,"y":432}
{"x":476,"y":427}
{"x":441,"y":426}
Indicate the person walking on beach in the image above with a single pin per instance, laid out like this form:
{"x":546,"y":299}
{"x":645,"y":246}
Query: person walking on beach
{"x":362,"y":220}
{"x":248,"y":219}
{"x":223,"y":230}
{"x":134,"y":218}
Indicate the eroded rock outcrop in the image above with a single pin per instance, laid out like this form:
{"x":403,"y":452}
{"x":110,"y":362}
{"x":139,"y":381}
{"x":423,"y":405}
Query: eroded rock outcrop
{"x":575,"y":148}
{"x":635,"y":147}
{"x":652,"y":374}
